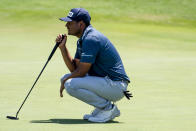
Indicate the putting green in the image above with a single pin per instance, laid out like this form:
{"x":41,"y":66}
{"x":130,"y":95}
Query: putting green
{"x":160,"y":61}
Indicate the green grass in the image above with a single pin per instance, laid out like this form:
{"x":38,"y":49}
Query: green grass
{"x":175,"y":12}
{"x":160,"y":59}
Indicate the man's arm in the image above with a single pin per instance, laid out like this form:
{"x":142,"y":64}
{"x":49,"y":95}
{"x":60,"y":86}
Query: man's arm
{"x":68,"y":59}
{"x":76,"y":62}
{"x":80,"y":71}
{"x":65,"y":53}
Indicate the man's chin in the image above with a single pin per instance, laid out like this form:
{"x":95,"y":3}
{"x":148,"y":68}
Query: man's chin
{"x":69,"y":33}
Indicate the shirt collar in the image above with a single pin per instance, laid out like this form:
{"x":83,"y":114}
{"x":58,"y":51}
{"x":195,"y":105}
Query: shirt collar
{"x":86,"y":32}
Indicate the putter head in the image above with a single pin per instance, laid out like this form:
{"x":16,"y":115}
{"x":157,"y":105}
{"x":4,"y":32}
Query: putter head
{"x":12,"y":117}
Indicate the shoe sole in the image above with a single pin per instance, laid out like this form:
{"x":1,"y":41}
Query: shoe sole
{"x":89,"y":115}
{"x":117,"y":114}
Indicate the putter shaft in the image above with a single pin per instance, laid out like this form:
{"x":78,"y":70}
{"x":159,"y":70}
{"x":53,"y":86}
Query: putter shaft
{"x":50,"y":56}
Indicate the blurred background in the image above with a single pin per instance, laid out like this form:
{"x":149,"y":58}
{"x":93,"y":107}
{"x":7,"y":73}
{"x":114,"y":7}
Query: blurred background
{"x":156,"y":40}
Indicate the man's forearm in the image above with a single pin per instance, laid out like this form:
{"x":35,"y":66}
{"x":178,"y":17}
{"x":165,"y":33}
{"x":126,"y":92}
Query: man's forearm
{"x":74,"y":74}
{"x":68,"y":59}
{"x":80,"y":71}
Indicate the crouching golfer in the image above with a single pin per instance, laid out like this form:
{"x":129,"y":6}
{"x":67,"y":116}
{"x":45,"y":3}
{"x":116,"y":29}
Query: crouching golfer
{"x":97,"y":73}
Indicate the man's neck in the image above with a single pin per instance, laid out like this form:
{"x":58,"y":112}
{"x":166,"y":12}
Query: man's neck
{"x":81,"y":32}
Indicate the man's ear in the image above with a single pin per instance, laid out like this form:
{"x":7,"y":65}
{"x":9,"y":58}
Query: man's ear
{"x":81,"y":23}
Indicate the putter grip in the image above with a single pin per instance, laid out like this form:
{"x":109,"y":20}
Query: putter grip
{"x":54,"y":49}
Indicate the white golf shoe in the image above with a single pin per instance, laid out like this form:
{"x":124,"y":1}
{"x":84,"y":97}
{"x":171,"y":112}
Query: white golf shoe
{"x":105,"y":115}
{"x":94,"y":112}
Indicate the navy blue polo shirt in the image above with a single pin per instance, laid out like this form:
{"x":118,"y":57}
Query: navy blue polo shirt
{"x":93,"y":47}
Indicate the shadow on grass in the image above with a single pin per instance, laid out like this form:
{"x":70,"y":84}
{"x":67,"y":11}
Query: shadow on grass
{"x":68,"y":121}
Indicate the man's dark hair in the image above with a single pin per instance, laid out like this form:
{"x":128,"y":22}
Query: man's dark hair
{"x":87,"y":23}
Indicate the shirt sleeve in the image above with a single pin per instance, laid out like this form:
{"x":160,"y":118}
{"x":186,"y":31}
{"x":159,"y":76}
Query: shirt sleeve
{"x":90,"y":49}
{"x":78,"y":52}
{"x":77,"y":56}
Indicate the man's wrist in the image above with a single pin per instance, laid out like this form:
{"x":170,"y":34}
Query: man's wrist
{"x":62,"y":48}
{"x":65,"y":80}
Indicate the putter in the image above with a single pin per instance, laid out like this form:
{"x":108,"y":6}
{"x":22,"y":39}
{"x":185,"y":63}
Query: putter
{"x":50,"y":56}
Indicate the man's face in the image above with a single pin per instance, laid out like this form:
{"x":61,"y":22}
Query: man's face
{"x":73,"y":28}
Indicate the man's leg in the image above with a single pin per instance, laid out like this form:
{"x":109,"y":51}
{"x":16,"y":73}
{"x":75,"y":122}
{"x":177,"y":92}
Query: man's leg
{"x":96,"y":91}
{"x":76,"y":88}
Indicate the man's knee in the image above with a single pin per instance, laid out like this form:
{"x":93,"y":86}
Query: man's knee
{"x":69,"y":86}
{"x":64,"y":76}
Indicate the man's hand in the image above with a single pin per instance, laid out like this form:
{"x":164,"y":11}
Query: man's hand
{"x":61,"y":89}
{"x":59,"y":39}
